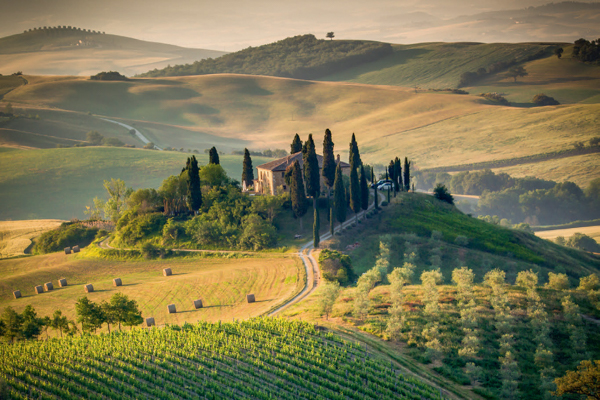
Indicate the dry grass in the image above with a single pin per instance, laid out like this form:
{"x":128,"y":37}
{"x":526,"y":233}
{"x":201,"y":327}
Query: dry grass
{"x":592,"y":231}
{"x":221,"y":283}
{"x":16,"y":236}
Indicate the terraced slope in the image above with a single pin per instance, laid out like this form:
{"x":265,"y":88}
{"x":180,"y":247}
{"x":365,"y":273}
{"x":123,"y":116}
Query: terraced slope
{"x":258,"y":359}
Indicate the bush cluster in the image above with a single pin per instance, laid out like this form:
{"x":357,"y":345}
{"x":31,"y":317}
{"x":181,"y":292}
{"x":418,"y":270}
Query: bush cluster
{"x":67,"y":235}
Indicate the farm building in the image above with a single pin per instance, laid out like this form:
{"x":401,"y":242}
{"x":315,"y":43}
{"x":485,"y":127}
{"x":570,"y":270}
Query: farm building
{"x":271,"y":175}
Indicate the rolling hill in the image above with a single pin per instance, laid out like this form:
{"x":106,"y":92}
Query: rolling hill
{"x":72,"y":51}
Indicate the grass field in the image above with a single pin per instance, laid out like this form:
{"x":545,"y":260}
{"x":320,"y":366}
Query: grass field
{"x":221,"y":283}
{"x":16,"y":236}
{"x":592,"y":231}
{"x":70,"y":178}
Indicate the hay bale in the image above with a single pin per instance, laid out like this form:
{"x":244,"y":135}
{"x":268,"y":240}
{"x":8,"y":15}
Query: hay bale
{"x":39,"y":289}
{"x":250,"y":298}
{"x":48,"y":286}
{"x":150,"y":321}
{"x":17,"y":294}
{"x":167,"y":272}
{"x":62,"y":282}
{"x":197,"y":304}
{"x":88,"y":288}
{"x":67,"y":250}
{"x":75,"y":249}
{"x":171,"y":308}
{"x":117,"y":282}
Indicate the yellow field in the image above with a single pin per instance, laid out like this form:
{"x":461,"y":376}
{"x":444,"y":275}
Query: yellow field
{"x":592,"y":231}
{"x":16,"y":236}
{"x":221,"y":283}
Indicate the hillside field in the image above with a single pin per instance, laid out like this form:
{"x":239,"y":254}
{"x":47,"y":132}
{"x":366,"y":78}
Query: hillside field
{"x":16,"y":236}
{"x":592,"y":231}
{"x":70,"y":178}
{"x":221,"y":282}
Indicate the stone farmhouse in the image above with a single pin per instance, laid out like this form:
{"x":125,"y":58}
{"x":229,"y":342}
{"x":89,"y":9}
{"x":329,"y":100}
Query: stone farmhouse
{"x":271,"y":175}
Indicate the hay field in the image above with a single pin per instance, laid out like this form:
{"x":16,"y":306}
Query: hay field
{"x":592,"y":231}
{"x":221,"y":283}
{"x":16,"y":236}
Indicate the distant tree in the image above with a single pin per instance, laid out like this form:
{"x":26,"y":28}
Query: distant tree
{"x":557,"y":281}
{"x":329,"y":294}
{"x":213,"y":156}
{"x":559,"y":51}
{"x":542,"y":100}
{"x":297,"y":193}
{"x":339,"y":196}
{"x":398,"y":173}
{"x":510,"y":373}
{"x":118,"y":194}
{"x":516,"y":72}
{"x":194,"y":193}
{"x":589,"y":283}
{"x":94,"y":138}
{"x":585,"y":381}
{"x":392,"y":172}
{"x":583,"y":242}
{"x":406,"y":174}
{"x":430,"y":280}
{"x":329,"y":163}
{"x":312,"y":178}
{"x":149,"y":146}
{"x":354,"y":153}
{"x":364,"y":190}
{"x":330,"y":35}
{"x":247,"y":169}
{"x":375,"y":190}
{"x":440,"y":192}
{"x":296,"y":145}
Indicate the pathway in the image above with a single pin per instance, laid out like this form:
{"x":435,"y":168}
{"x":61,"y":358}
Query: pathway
{"x":139,"y":135}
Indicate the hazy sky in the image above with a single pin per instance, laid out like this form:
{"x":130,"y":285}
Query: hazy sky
{"x":235,"y":24}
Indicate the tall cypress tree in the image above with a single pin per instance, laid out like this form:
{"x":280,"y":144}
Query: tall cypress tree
{"x":247,"y":169}
{"x":328,"y":160}
{"x":194,"y":193}
{"x":354,"y":191}
{"x":364,"y":190}
{"x":354,"y":154}
{"x":312,"y":179}
{"x":213,"y":156}
{"x":392,"y":171}
{"x":339,"y":196}
{"x":331,"y":221}
{"x":406,"y":174}
{"x":297,"y":193}
{"x":398,"y":167}
{"x":296,"y":145}
{"x":375,"y":189}
{"x":316,"y":229}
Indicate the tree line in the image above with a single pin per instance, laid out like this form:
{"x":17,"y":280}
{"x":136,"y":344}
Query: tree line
{"x":300,"y":57}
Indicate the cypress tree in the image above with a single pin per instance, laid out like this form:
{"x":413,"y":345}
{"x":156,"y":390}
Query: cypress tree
{"x":354,"y":153}
{"x":247,"y":169}
{"x":311,"y":171}
{"x":354,"y":191}
{"x":328,"y":160}
{"x":375,"y":189}
{"x":398,"y":166}
{"x":406,"y":174}
{"x":296,"y":145}
{"x":339,"y":196}
{"x":364,"y":189}
{"x":392,"y":170}
{"x":213,"y":156}
{"x":297,"y":193}
{"x":194,"y":194}
{"x":316,"y":228}
{"x":331,"y":221}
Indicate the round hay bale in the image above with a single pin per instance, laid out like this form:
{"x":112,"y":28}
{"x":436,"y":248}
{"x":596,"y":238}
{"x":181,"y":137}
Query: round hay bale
{"x":67,"y":250}
{"x":117,"y":282}
{"x":48,"y":286}
{"x":88,"y":288}
{"x":150,"y":321}
{"x":75,"y":249}
{"x":250,"y":298}
{"x":171,"y":308}
{"x":167,"y":272}
{"x":62,"y":282}
{"x":39,"y":289}
{"x":17,"y":294}
{"x":197,"y":304}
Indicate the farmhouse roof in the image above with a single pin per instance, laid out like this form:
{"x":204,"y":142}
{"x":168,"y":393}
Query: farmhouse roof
{"x":281,"y":164}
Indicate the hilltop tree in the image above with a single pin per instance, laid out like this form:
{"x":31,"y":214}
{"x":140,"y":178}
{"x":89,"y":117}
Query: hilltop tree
{"x":296,"y":145}
{"x":559,"y":52}
{"x":194,"y":193}
{"x":330,"y":35}
{"x":516,"y":72}
{"x":213,"y":156}
{"x":247,"y":169}
{"x":339,"y":196}
{"x":440,"y":192}
{"x":406,"y":174}
{"x":354,"y":154}
{"x":364,"y":190}
{"x":297,"y":193}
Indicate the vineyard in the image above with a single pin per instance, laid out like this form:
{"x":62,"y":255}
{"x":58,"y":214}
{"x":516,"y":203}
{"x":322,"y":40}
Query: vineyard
{"x":254,"y":359}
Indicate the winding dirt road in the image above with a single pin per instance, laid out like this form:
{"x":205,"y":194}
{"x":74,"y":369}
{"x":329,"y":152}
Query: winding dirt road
{"x":139,"y":135}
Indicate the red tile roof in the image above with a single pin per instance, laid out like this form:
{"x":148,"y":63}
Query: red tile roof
{"x":282,"y":163}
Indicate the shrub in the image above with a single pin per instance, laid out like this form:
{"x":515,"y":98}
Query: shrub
{"x":495,"y":97}
{"x":67,"y":235}
{"x":589,"y":283}
{"x":109,"y":76}
{"x":149,"y":251}
{"x":441,"y":193}
{"x":461,"y":241}
{"x":557,"y":281}
{"x":583,"y":242}
{"x":336,"y":266}
{"x":132,"y":227}
{"x":542,"y":100}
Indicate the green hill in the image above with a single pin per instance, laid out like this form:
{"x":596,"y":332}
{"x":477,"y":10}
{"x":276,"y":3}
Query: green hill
{"x":76,"y":51}
{"x":260,"y":358}
{"x":59,"y":183}
{"x":412,"y":219}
